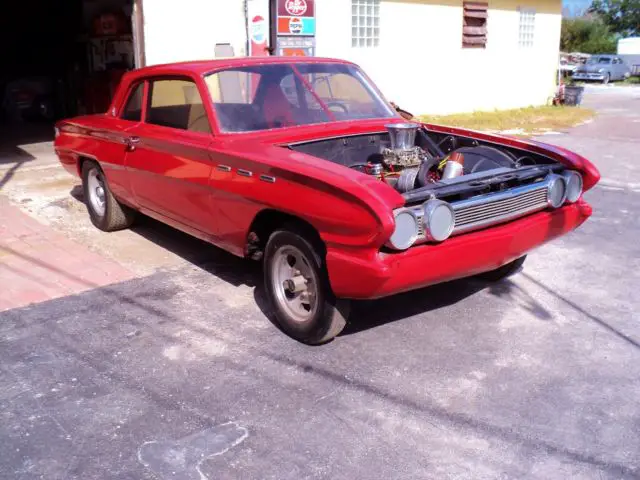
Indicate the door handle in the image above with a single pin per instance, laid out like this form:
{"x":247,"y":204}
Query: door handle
{"x":131,"y":143}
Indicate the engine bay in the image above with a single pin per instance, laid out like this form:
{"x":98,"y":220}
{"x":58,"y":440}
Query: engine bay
{"x":422,"y":164}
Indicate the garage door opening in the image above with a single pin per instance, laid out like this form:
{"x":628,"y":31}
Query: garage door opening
{"x":66,"y":58}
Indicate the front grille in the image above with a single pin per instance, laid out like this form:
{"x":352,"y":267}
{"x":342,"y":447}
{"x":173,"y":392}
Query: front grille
{"x":493,"y":208}
{"x":471,"y":215}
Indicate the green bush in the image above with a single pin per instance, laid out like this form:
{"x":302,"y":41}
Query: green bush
{"x":586,"y":35}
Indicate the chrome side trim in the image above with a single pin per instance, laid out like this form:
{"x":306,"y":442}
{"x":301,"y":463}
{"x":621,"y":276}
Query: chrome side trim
{"x":244,"y":173}
{"x":268,"y":178}
{"x":224,"y":168}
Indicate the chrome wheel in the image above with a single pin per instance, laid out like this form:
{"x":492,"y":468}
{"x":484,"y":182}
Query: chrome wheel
{"x":295,"y":283}
{"x":96,"y":191}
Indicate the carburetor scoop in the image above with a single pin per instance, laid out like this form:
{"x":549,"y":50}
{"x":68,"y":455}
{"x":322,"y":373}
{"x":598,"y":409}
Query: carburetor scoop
{"x":402,"y":152}
{"x":402,"y":135}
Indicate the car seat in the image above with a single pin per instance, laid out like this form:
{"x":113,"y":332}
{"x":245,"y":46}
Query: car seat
{"x":276,"y":108}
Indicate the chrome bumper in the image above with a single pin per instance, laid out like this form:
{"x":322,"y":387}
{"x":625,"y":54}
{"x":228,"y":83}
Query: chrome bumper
{"x":588,"y":76}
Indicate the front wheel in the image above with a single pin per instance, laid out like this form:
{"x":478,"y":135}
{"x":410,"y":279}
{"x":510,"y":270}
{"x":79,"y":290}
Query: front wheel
{"x":606,"y":79}
{"x":504,"y":271}
{"x":297,"y":286}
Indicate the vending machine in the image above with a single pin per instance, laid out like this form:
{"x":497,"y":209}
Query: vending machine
{"x":295,"y":22}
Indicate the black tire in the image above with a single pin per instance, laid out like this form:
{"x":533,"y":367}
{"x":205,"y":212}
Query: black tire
{"x":606,"y":79}
{"x":329,"y":315}
{"x":115,"y":216}
{"x":504,"y":271}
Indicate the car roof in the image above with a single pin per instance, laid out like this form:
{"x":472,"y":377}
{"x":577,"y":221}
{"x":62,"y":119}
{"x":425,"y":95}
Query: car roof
{"x":201,"y":67}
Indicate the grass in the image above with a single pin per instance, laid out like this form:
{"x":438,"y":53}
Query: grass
{"x":631,"y":81}
{"x":523,"y":121}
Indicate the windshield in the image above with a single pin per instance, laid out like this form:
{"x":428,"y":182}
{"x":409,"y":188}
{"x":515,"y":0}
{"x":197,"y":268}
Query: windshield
{"x":599,"y":60}
{"x":275,"y":96}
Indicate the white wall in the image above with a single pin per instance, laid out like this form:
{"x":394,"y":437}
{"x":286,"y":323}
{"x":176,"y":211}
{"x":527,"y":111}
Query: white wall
{"x":629,"y":46}
{"x":421,"y":65}
{"x":181,"y":30}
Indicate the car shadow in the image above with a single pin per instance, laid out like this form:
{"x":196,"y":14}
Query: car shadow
{"x":364,"y":315}
{"x":237,"y":271}
{"x":368,"y":314}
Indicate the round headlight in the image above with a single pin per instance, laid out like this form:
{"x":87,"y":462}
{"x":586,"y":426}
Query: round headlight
{"x":439,"y":220}
{"x":557,"y":191}
{"x":406,"y":230}
{"x":573,"y":182}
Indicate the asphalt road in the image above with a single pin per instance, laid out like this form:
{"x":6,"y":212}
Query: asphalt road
{"x":179,"y":375}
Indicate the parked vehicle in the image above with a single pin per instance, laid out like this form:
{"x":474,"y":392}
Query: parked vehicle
{"x":602,"y":68}
{"x":566,"y":68}
{"x":30,"y":99}
{"x":302,"y":164}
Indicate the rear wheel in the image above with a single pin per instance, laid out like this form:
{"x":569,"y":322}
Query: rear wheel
{"x":105,"y":211}
{"x":297,"y":286}
{"x":504,"y":271}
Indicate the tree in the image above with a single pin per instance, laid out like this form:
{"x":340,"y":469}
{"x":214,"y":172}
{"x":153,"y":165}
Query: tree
{"x":622,"y":16}
{"x":586,"y":35}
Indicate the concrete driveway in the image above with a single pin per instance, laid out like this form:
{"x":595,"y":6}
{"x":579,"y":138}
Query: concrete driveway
{"x":178,"y":374}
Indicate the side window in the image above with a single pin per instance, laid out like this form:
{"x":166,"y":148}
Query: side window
{"x":133,"y":108}
{"x":177,"y":103}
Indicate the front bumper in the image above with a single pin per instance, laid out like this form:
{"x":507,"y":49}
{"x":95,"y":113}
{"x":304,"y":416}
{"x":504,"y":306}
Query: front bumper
{"x":369,"y":274}
{"x":588,"y":76}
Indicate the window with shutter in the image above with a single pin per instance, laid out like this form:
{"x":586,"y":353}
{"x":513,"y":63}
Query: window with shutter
{"x":474,"y":26}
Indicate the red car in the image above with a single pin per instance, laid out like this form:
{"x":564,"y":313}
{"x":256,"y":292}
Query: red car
{"x":302,"y":164}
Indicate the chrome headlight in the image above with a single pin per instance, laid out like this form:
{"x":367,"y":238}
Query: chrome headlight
{"x":439,"y":220}
{"x":557,"y":191}
{"x":406,"y":231}
{"x":573,"y":183}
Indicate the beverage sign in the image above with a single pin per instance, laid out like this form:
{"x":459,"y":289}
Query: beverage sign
{"x":295,"y":7}
{"x":296,"y":17}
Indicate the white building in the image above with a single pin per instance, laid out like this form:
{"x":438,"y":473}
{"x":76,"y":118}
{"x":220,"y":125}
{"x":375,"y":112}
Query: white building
{"x":428,"y":56}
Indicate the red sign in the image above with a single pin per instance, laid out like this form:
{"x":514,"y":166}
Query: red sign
{"x":296,"y":8}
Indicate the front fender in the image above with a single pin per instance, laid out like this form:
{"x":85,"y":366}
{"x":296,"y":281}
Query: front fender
{"x":347,"y":208}
{"x":590,"y":173}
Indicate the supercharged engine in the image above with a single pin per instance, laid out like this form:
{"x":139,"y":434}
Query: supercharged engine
{"x":403,"y":164}
{"x":407,"y":166}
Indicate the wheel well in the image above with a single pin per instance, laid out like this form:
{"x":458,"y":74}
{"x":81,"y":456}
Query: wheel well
{"x":268,"y":221}
{"x":81,"y":161}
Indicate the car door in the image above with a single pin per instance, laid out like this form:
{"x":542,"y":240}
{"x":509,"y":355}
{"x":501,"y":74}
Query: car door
{"x":112,"y":142}
{"x":167,"y":160}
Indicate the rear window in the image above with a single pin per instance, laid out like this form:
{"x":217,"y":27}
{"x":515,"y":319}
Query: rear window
{"x":176,"y":103}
